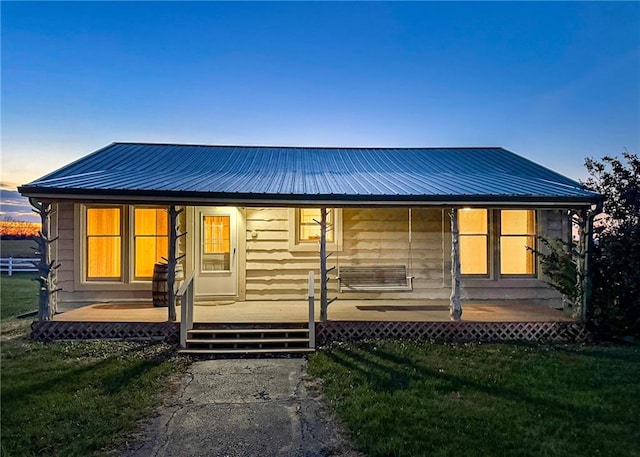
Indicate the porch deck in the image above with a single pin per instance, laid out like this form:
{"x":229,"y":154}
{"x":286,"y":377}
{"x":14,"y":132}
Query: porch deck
{"x":341,"y":310}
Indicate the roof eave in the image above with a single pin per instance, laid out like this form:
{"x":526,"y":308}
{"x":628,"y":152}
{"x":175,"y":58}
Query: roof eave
{"x":240,"y":199}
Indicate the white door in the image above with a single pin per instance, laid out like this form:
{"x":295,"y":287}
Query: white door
{"x":216,"y":252}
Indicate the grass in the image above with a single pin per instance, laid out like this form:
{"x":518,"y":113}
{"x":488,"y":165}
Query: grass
{"x":76,"y":398}
{"x":18,"y":294}
{"x":406,"y":399}
{"x":17,"y":248}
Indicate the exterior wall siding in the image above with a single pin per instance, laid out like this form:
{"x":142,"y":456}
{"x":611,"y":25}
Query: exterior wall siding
{"x":370,"y":236}
{"x":379,"y":236}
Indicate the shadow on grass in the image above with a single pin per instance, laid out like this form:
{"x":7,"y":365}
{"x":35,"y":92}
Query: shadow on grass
{"x":112,"y":384}
{"x":388,"y":372}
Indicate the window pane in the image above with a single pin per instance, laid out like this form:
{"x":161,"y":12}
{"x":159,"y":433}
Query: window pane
{"x":473,"y":255}
{"x":472,"y":221}
{"x":309,"y":229}
{"x":103,"y":221}
{"x":216,"y":235}
{"x":151,"y":239}
{"x":517,"y":222}
{"x":149,"y":251}
{"x":515,"y":258}
{"x":103,"y":257}
{"x":151,"y":221}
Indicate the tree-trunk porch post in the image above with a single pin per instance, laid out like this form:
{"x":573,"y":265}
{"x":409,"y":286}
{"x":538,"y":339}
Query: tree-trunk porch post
{"x":46,"y":278}
{"x":455,"y":304}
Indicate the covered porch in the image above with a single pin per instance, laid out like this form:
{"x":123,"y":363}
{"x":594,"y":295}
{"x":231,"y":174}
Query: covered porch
{"x":296,"y":311}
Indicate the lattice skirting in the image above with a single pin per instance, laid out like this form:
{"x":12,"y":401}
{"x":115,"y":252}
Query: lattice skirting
{"x":452,"y":331}
{"x":61,"y":331}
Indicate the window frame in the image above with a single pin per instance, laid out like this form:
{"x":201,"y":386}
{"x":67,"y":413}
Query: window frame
{"x":132,"y":240}
{"x":127,"y":246}
{"x":499,"y":236}
{"x":494,"y":255}
{"x":296,"y":245}
{"x":85,"y":245}
{"x":489,"y":245}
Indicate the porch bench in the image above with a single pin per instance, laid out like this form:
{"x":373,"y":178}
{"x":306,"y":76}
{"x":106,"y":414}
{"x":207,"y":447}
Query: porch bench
{"x":382,"y":278}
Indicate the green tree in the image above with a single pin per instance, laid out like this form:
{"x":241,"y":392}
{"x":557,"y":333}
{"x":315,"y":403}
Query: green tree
{"x":614,"y":308}
{"x":615,"y":267}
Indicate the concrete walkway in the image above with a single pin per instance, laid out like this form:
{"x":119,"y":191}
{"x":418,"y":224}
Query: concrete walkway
{"x":263,"y":407}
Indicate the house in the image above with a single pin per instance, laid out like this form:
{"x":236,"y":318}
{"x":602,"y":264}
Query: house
{"x":253,"y":227}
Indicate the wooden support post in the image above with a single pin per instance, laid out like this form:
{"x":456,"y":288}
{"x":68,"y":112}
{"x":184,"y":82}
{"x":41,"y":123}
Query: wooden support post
{"x":312,"y":323}
{"x":46,"y":266}
{"x":581,"y":265}
{"x":172,"y":262}
{"x":323,"y":265}
{"x":455,"y":304}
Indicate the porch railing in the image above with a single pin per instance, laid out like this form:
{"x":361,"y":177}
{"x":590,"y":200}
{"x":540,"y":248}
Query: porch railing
{"x":185,"y":294}
{"x":312,"y":324}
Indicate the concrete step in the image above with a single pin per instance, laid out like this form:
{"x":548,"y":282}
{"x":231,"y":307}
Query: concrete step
{"x":248,"y":331}
{"x":246,"y":351}
{"x":245,"y":340}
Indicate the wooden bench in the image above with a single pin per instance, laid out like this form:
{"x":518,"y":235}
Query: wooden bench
{"x":383,"y":278}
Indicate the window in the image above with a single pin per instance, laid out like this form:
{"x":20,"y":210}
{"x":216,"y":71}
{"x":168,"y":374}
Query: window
{"x":304,"y":231}
{"x":151,"y":240}
{"x":309,"y":229}
{"x":474,"y":236}
{"x":104,"y":243}
{"x":122,"y":243}
{"x":216,"y":243}
{"x":517,"y":234}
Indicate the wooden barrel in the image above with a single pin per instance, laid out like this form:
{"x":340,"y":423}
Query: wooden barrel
{"x":159,"y":291}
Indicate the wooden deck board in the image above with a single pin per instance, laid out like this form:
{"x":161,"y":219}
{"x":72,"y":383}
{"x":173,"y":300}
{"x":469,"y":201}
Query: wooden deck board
{"x":341,"y":310}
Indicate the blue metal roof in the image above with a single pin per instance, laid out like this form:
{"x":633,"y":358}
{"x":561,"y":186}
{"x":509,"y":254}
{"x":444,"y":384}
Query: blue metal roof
{"x":309,"y":173}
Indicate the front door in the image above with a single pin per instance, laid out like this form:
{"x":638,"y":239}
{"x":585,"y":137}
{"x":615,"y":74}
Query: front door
{"x":217,"y":252}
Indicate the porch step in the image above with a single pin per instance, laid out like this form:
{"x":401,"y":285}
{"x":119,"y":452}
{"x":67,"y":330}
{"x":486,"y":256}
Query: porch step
{"x":216,"y":339}
{"x":246,"y":351}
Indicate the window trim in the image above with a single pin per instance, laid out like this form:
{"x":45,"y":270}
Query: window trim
{"x":489,"y":247}
{"x":295,"y":245}
{"x":494,"y":255}
{"x":132,"y":240}
{"x":127,"y":246}
{"x":498,"y":241}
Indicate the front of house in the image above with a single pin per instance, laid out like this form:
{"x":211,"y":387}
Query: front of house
{"x":248,"y":222}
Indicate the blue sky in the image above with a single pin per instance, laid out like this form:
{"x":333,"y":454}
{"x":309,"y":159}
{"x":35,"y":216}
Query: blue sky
{"x":554,"y":82}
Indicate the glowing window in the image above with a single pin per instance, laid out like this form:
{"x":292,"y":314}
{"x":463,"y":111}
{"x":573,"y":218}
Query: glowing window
{"x":104,"y":243}
{"x":517,"y":238}
{"x":309,"y":229}
{"x":216,"y":243}
{"x":151,"y":239}
{"x":474,"y":235}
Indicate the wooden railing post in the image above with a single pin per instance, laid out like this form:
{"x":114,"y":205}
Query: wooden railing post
{"x":185,"y":293}
{"x":312,"y":323}
{"x":10,"y":266}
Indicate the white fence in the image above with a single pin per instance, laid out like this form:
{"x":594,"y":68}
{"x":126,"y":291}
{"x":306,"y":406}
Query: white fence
{"x":12,"y":265}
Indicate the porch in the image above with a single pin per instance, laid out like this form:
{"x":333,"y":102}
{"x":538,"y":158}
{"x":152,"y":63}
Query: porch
{"x":290,"y":311}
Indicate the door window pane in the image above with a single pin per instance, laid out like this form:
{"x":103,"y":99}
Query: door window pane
{"x":216,"y":243}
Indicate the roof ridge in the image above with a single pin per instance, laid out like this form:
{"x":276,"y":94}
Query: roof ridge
{"x":247,"y":146}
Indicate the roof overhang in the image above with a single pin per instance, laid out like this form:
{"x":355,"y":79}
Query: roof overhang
{"x":182,"y":198}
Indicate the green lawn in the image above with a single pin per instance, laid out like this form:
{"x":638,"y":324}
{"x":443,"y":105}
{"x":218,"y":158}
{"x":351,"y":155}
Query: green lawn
{"x":72,"y":399}
{"x":17,"y":248}
{"x":406,"y":399}
{"x":18,"y":294}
